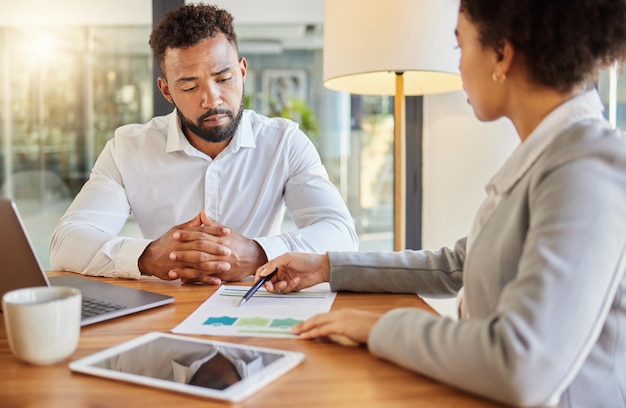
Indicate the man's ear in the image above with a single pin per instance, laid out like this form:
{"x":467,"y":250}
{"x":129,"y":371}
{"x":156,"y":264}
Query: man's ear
{"x":165,"y":89}
{"x":243,"y":66}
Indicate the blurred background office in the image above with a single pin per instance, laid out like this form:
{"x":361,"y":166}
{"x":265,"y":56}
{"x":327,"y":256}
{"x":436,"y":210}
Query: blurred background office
{"x":73,"y":71}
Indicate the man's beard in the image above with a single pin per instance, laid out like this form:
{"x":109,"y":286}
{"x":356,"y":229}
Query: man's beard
{"x":214,"y":134}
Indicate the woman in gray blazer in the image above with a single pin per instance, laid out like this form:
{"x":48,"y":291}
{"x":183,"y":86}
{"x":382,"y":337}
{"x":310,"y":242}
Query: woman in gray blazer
{"x":541,"y":274}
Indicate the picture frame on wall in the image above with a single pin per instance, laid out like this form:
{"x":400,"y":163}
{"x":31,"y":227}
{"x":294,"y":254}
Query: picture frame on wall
{"x":279,"y":86}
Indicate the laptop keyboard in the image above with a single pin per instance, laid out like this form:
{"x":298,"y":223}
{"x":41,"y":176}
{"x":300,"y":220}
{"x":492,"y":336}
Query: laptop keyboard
{"x":94,"y":307}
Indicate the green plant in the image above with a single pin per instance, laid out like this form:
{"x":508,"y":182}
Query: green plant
{"x":300,"y":112}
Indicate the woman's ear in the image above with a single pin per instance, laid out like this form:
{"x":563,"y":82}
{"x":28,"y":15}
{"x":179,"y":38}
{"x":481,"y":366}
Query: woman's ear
{"x":505,"y":53}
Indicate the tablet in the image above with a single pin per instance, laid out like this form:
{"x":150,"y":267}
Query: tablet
{"x":206,"y":368}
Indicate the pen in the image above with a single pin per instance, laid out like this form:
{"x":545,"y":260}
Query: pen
{"x":256,"y":287}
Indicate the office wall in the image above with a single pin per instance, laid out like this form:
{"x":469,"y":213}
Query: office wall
{"x":460,"y":156}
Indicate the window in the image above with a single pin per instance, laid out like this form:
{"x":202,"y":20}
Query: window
{"x":64,"y":91}
{"x":612,"y":88}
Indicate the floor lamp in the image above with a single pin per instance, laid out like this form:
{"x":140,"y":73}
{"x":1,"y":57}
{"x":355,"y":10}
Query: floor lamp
{"x":392,"y":47}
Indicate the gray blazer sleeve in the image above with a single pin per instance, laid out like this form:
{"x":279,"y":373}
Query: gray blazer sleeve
{"x":427,"y":273}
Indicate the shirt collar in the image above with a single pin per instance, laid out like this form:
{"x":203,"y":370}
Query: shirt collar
{"x":587,"y":105}
{"x":177,"y":141}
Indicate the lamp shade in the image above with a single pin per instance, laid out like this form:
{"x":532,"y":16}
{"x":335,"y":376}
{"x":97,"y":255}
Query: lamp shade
{"x":366,"y":42}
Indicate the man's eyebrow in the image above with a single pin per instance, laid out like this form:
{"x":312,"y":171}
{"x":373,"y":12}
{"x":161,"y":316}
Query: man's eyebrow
{"x":225,"y":70}
{"x":195,"y":78}
{"x":456,"y":33}
{"x":186,"y":79}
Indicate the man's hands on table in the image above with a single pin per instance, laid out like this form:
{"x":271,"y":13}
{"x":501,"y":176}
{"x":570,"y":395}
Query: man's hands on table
{"x":201,"y":250}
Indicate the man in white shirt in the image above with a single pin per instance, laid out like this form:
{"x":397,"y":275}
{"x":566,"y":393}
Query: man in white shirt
{"x":207,"y":184}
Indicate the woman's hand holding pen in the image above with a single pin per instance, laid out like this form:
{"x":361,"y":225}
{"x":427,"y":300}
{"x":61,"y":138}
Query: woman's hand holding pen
{"x":296,"y":271}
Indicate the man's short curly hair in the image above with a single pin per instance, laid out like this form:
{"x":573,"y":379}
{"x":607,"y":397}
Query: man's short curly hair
{"x":564,"y":42}
{"x":188,"y":25}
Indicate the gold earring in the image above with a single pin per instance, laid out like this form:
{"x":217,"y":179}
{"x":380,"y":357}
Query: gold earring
{"x":497,"y":79}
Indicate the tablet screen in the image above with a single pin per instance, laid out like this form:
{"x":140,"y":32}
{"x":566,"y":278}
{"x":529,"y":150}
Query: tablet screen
{"x":207,"y":368}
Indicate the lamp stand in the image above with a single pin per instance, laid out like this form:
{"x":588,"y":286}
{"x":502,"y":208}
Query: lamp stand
{"x":399,"y":154}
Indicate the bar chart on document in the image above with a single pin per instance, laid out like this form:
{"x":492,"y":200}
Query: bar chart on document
{"x":264,"y":315}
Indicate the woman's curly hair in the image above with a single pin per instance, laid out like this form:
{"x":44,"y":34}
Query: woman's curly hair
{"x":188,"y":25}
{"x":564,"y":42}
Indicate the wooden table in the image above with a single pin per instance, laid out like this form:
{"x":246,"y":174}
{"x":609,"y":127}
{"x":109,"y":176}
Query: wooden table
{"x":330,"y":376}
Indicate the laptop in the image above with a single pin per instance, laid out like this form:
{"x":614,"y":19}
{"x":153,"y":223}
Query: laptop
{"x":20,"y":268}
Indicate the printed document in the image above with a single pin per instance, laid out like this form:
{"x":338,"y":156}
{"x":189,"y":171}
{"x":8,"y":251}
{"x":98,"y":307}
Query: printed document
{"x":264,"y":315}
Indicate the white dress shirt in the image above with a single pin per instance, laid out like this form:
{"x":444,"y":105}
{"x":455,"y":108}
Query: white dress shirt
{"x":152,"y":172}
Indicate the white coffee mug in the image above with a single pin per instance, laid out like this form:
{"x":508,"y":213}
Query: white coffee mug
{"x":42,"y":323}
